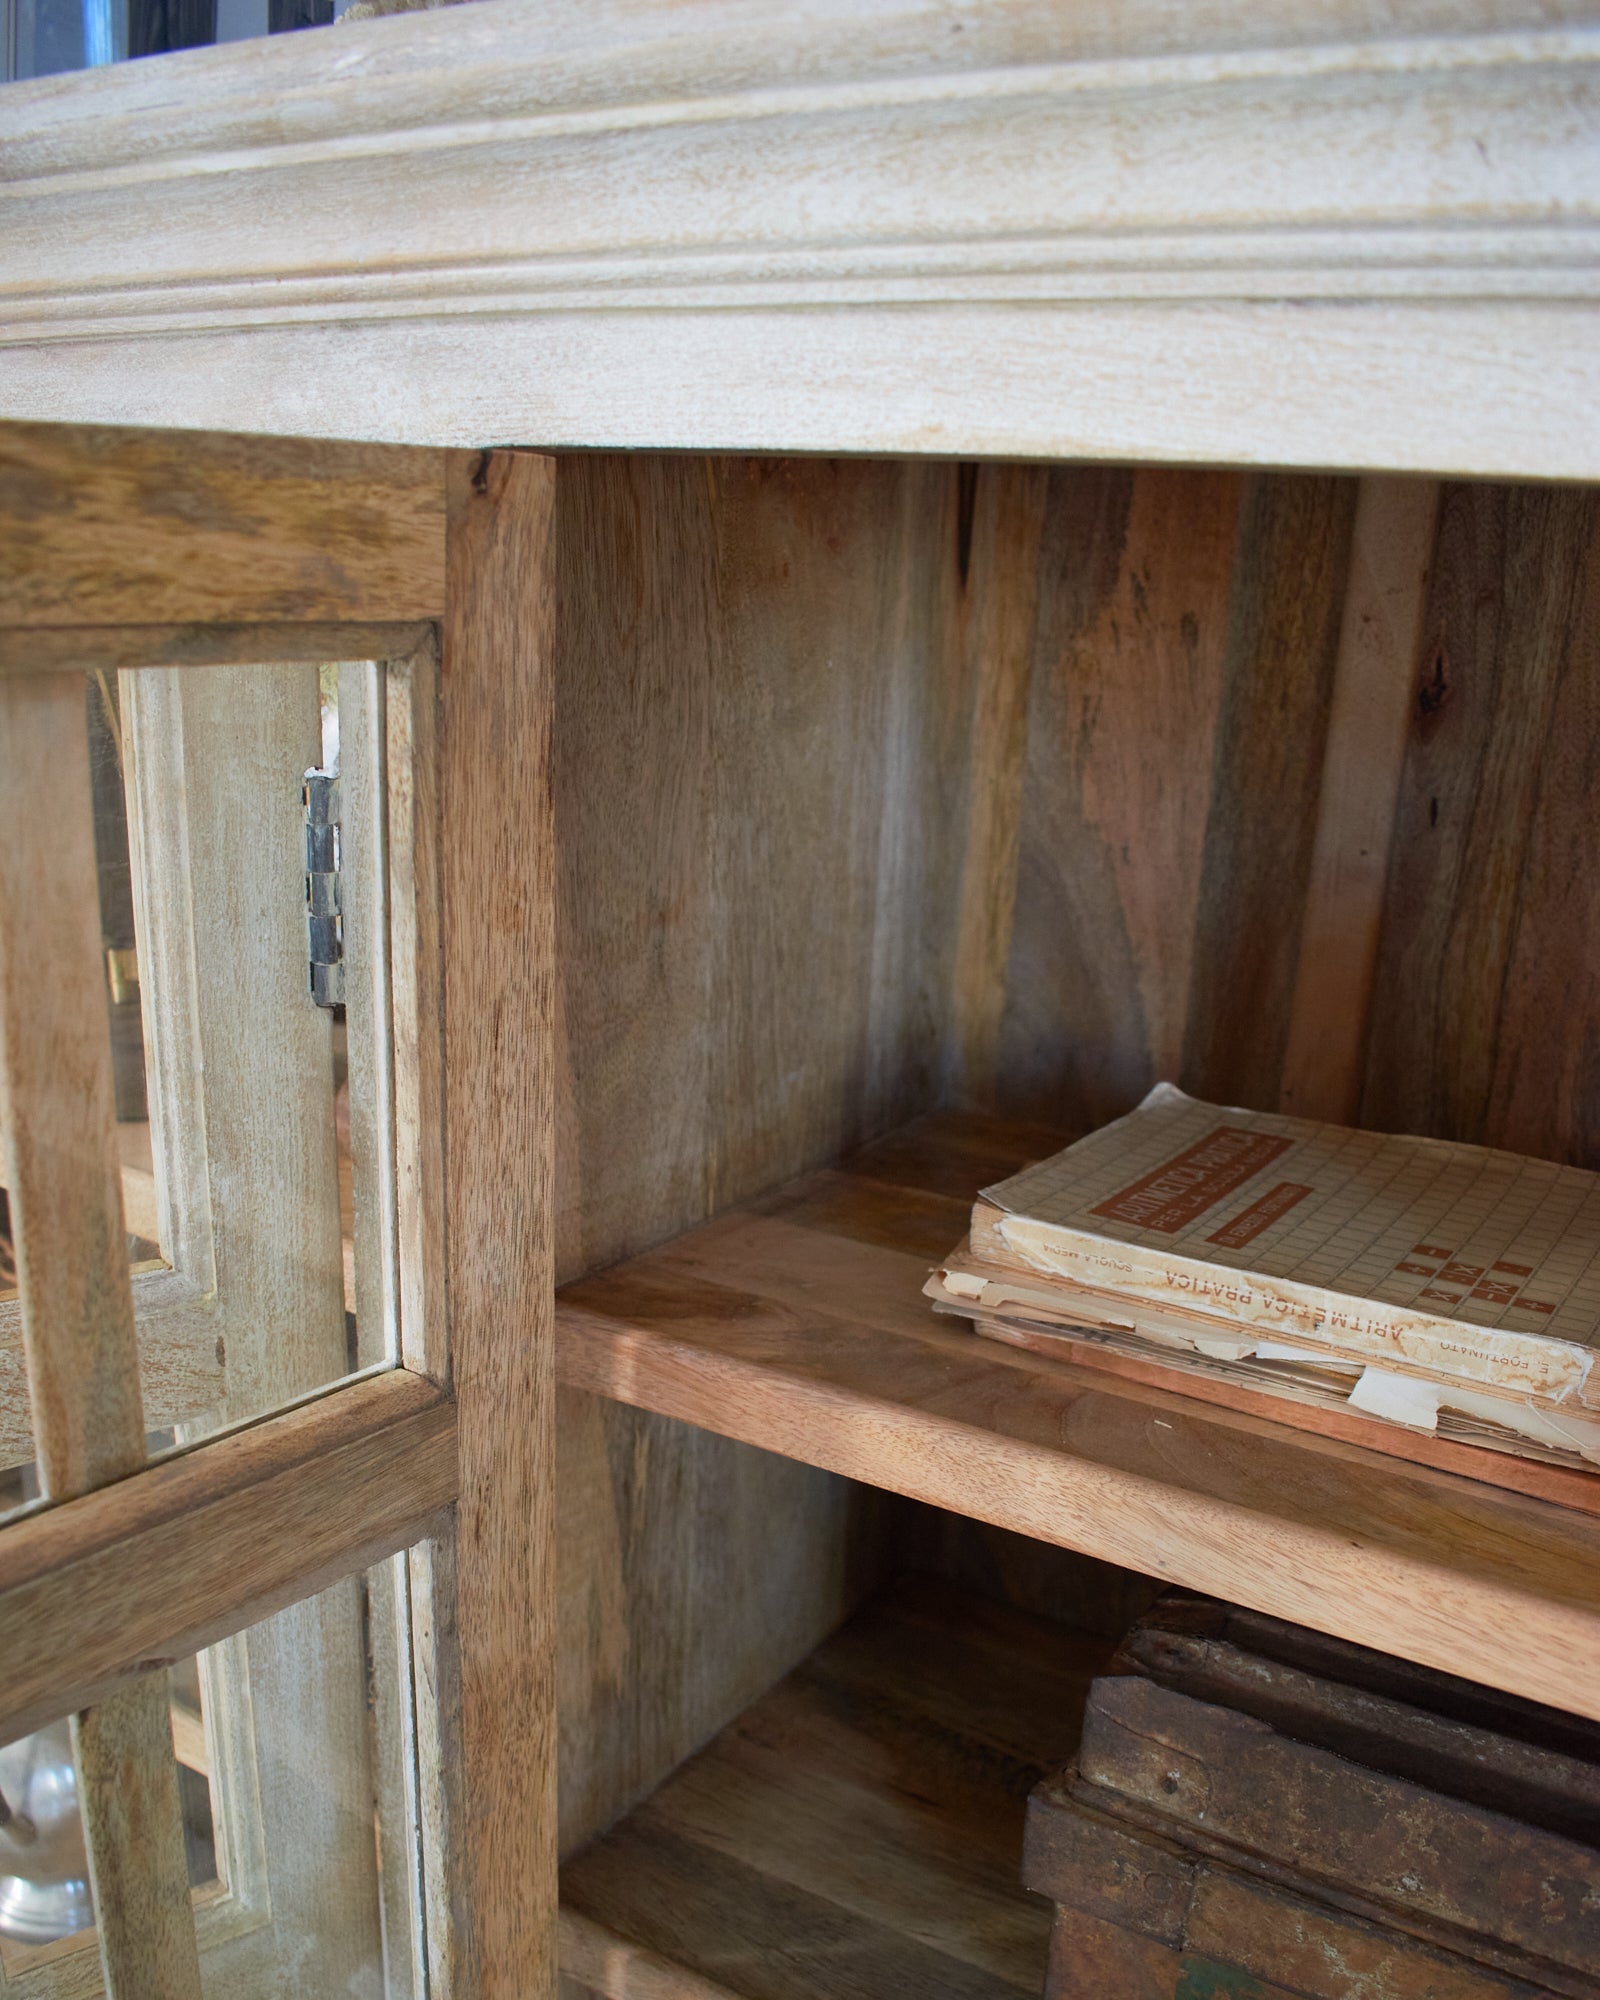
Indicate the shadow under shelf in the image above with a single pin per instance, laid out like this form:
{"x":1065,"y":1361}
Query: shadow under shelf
{"x":856,"y":1832}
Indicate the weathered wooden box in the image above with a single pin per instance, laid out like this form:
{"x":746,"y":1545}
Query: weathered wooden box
{"x":1257,"y":1810}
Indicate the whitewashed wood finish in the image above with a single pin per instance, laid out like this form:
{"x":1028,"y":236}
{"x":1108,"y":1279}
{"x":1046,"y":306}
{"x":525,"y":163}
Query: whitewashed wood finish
{"x":57,"y":1116}
{"x":179,"y":1369}
{"x":1014,"y":229}
{"x":241,"y":1068}
{"x":364,"y":900}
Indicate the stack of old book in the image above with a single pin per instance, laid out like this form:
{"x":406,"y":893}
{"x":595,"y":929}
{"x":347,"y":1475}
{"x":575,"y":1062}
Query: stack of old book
{"x":1442,"y":1287}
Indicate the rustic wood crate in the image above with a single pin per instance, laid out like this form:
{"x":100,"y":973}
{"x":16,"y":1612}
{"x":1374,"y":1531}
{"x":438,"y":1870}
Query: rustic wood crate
{"x":1258,"y":1811}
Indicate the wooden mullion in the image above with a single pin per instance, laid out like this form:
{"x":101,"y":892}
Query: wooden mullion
{"x":65,"y":1186}
{"x":497,"y":928}
{"x":212,"y":1540}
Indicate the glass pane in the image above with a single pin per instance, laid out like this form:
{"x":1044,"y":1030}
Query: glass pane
{"x":256,"y":807}
{"x":239,"y":817}
{"x":124,"y":1020}
{"x":290,"y":1742}
{"x":116,"y":979}
{"x":47,"y":36}
{"x":45,"y":1897}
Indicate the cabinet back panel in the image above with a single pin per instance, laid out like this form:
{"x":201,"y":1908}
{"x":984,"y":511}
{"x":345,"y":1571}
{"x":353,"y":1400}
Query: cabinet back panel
{"x":1486,"y":1002}
{"x":1174,"y":914}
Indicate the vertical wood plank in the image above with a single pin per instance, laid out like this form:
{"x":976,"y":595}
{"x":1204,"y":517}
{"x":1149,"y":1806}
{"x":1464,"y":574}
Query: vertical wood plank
{"x":1000,"y":520}
{"x":433,"y":1604}
{"x":424,"y":1579}
{"x":1132,"y":626}
{"x":498,"y":931}
{"x":364,"y":900}
{"x":64,"y":1179}
{"x":1487,"y":986}
{"x":417,"y":999}
{"x":365,"y":903}
{"x":63,"y":1172}
{"x":133,"y":1829}
{"x":1368,"y":725}
{"x":1271,"y":734}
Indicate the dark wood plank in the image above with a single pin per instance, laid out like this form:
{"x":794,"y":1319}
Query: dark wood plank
{"x":137,"y":527}
{"x":1484,"y":1007}
{"x":1271,"y":725}
{"x":1132,"y":631}
{"x":1228,"y":1778}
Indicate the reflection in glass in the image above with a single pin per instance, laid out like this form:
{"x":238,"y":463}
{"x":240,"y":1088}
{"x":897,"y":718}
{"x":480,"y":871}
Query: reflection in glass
{"x":44,"y":1872}
{"x":45,"y":37}
{"x":45,"y":1894}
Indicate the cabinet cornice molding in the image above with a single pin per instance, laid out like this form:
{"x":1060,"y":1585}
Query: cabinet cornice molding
{"x":776,"y":183}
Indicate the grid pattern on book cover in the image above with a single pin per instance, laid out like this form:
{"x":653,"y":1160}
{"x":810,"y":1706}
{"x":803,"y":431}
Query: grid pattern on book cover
{"x":1457,"y":1231}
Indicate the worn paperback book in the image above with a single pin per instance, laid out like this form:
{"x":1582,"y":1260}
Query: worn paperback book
{"x":1245,"y":1236}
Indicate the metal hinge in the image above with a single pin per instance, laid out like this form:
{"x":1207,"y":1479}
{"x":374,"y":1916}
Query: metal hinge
{"x":324,"y":921}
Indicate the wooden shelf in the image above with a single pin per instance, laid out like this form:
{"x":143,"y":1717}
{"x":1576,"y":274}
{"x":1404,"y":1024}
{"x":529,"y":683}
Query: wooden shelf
{"x":857,"y":1831}
{"x":797,"y":1323}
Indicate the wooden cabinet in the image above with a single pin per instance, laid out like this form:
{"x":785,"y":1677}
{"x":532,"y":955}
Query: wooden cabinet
{"x":918,"y":574}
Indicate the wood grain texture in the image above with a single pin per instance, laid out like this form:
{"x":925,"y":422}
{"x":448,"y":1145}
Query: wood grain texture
{"x":1111,"y":384}
{"x":1288,"y":590}
{"x":755,"y":753}
{"x":364,"y":902}
{"x":757,"y":741}
{"x":498,"y":930}
{"x":1129,"y":656}
{"x":127,"y":527}
{"x":369,"y":1026}
{"x":857,"y":1831}
{"x":1368,"y":726}
{"x":1056,"y":234}
{"x":243,"y":1134}
{"x":1484,"y":1012}
{"x":241,"y":1060}
{"x":598,"y":1965}
{"x":80,"y":649}
{"x":815,"y":1342}
{"x":411,"y":718}
{"x":1221,"y":1931}
{"x":204,"y":1543}
{"x":1457,"y":1868}
{"x":1185,"y":633}
{"x":64,"y":1180}
{"x":62,"y":1171}
{"x":999,"y":527}
{"x":181,"y":1375}
{"x":442,"y":1812}
{"x":133,"y":1829}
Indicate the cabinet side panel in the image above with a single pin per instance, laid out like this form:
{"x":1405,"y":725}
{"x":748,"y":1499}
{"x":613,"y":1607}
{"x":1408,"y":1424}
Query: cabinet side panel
{"x":760,"y":729}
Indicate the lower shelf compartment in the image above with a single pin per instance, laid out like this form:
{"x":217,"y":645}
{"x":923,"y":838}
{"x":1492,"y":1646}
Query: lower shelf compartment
{"x":797,"y":1323}
{"x":857,"y":1832}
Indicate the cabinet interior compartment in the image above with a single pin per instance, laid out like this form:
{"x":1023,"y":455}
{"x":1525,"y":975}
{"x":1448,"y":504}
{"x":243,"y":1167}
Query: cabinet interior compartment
{"x":889,"y":791}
